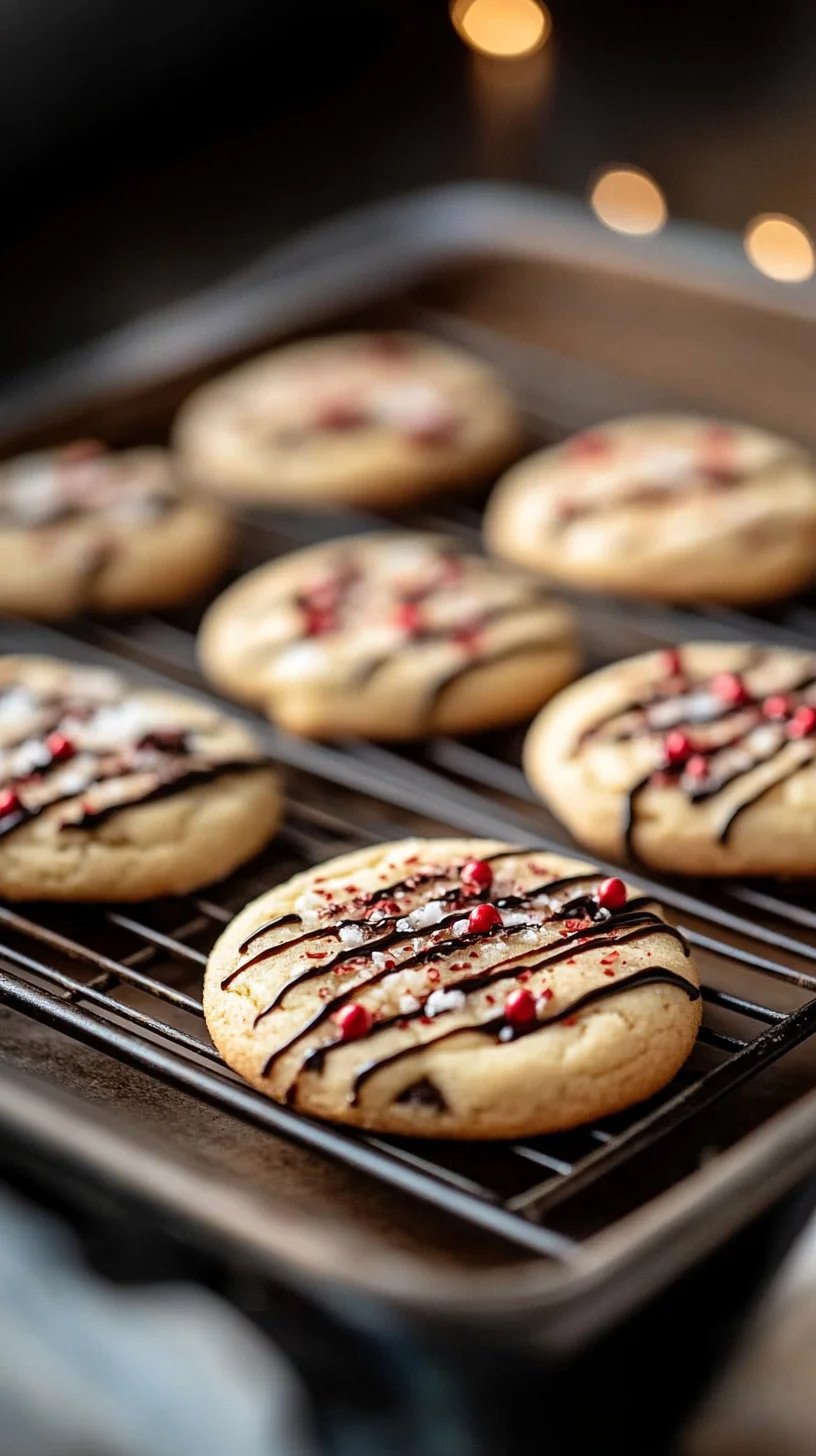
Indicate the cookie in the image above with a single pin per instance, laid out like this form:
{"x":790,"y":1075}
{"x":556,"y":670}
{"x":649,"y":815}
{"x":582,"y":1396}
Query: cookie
{"x":453,"y":988}
{"x":82,"y":529}
{"x":700,"y":760}
{"x":112,"y":793}
{"x":361,"y":419}
{"x":667,"y":507}
{"x":388,"y":636}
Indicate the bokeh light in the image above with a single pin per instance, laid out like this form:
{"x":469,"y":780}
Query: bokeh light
{"x":507,"y":28}
{"x":628,"y":200}
{"x":780,"y":248}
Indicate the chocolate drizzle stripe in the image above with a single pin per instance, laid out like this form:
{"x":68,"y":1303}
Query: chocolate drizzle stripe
{"x":363,"y":675}
{"x":504,"y":970}
{"x":731,"y":818}
{"x":708,"y":790}
{"x":366,"y":949}
{"x":655,"y":975}
{"x":423,"y":877}
{"x":162,"y":790}
{"x":490,"y":659}
{"x":642,"y":925}
{"x":162,"y":503}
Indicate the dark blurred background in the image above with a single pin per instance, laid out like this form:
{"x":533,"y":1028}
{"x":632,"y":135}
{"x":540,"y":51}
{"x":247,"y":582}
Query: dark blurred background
{"x":149,"y":148}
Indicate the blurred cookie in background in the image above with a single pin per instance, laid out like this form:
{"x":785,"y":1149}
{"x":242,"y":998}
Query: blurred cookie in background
{"x":87,"y":529}
{"x":667,"y":507}
{"x":699,"y":760}
{"x":359,"y":418}
{"x":395,"y":635}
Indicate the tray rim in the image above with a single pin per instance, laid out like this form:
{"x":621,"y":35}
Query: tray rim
{"x":611,"y":1274}
{"x":352,"y":259}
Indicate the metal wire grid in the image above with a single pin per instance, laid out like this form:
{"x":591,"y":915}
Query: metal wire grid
{"x":114,"y":1002}
{"x":111,"y":979}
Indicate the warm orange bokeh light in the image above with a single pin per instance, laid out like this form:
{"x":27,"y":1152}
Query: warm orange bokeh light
{"x":780,"y":248}
{"x":502,"y":27}
{"x":628,"y":201}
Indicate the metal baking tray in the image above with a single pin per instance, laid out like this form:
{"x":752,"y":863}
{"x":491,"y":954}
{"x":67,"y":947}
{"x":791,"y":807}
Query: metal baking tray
{"x":556,"y":1235}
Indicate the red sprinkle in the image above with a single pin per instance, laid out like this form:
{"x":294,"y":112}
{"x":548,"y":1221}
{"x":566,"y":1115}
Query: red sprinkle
{"x":79,"y":450}
{"x":390,"y":346}
{"x":340,"y":415}
{"x":777,"y":706}
{"x":609,"y":973}
{"x":9,"y":803}
{"x":60,"y":747}
{"x":803,"y":723}
{"x":697,"y":766}
{"x":319,"y":621}
{"x":568,"y":1021}
{"x":731,"y":689}
{"x":483,"y":917}
{"x":677,"y":748}
{"x":352,"y":1020}
{"x":546,"y":994}
{"x":611,"y":895}
{"x":520,"y":1008}
{"x":588,"y":446}
{"x":476,"y":875}
{"x":408,"y":617}
{"x":671,"y":662}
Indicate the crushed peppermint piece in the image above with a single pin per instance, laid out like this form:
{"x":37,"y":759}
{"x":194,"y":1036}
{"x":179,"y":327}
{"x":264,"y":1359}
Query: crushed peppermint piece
{"x":444,"y":1000}
{"x":351,"y":935}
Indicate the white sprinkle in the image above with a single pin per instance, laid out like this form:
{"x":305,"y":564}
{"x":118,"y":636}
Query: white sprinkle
{"x":532,"y":936}
{"x":309,"y":901}
{"x":460,"y":927}
{"x":541,"y":1005}
{"x":765,"y":739}
{"x":506,"y":1033}
{"x":16,"y":704}
{"x":74,"y":782}
{"x":32,"y":487}
{"x":118,"y":725}
{"x":351,"y":935}
{"x":302,"y":660}
{"x":380,"y":960}
{"x":427,"y":915}
{"x":514,"y":917}
{"x":442,"y":1000}
{"x":403,"y":926}
{"x":408,"y":1003}
{"x":410,"y":405}
{"x":30,"y":755}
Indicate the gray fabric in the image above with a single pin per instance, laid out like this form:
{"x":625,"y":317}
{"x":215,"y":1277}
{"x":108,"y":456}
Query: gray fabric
{"x":90,"y":1369}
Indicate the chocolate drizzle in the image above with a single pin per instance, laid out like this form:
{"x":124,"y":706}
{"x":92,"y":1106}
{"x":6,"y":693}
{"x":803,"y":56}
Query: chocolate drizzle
{"x":722,"y":763}
{"x":655,"y":975}
{"x":582,"y":922}
{"x":658,"y":493}
{"x":165,"y":759}
{"x":321,"y":617}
